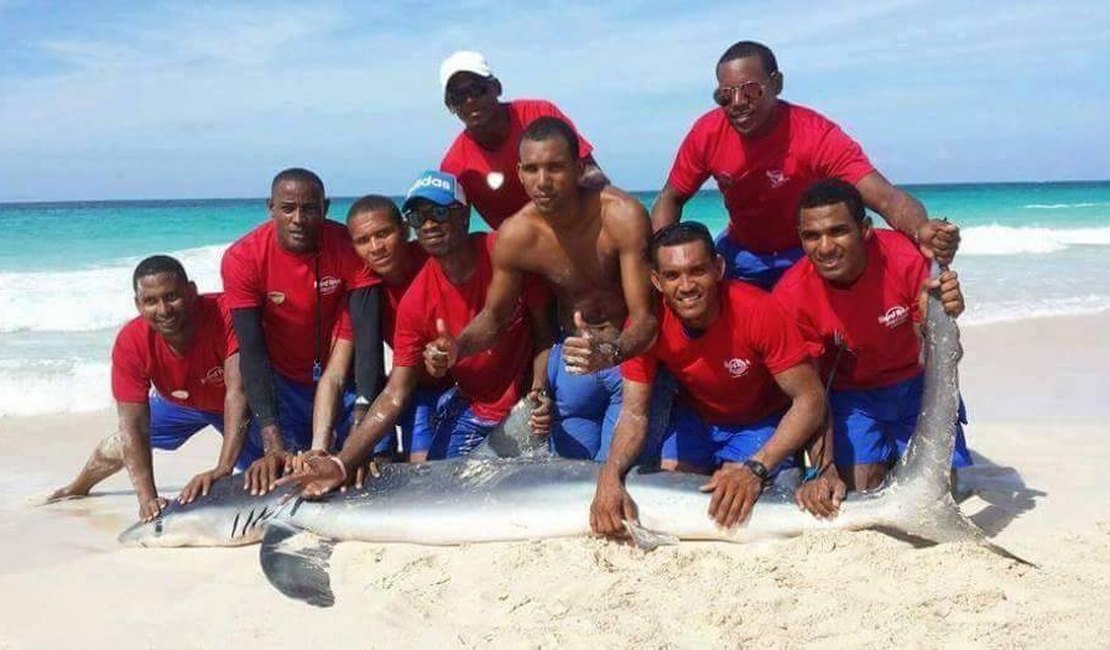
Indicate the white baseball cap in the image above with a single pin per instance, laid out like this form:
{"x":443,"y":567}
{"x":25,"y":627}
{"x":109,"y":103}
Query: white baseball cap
{"x":463,"y":61}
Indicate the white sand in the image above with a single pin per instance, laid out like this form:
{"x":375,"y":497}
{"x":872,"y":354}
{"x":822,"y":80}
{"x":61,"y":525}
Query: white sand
{"x":65,"y":582}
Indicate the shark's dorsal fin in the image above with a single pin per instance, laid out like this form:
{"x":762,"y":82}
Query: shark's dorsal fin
{"x":295,"y":562}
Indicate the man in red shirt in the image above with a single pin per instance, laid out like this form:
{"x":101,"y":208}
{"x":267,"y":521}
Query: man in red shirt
{"x":857,"y":298}
{"x":763,"y":152}
{"x":286,"y":283}
{"x":748,"y":396}
{"x":484,"y":157}
{"x":445,"y":295}
{"x":381,"y":238}
{"x":181,"y":344}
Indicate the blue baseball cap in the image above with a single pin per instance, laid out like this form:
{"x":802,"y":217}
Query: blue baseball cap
{"x":438,"y":187}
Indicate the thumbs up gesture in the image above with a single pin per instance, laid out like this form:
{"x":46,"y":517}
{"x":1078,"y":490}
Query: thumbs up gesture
{"x":442,"y":353}
{"x":585,"y":353}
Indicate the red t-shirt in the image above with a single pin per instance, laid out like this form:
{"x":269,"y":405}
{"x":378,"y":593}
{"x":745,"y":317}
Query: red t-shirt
{"x":490,"y":177}
{"x":258,"y":272}
{"x":874,"y":317}
{"x":393,"y":294}
{"x":762,"y":179}
{"x":142,"y":358}
{"x":727,"y":373}
{"x":491,"y":380}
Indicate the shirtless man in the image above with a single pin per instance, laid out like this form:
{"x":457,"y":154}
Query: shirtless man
{"x":180,"y":344}
{"x":591,"y":247}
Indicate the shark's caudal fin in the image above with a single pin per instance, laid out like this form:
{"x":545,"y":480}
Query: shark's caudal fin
{"x":296,"y":563}
{"x":922,"y":476}
{"x":513,"y":438}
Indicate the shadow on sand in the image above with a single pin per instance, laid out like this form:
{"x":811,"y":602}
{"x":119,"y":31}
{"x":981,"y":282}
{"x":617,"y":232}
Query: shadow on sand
{"x":1002,"y":489}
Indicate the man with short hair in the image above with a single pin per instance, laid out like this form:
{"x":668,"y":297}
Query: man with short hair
{"x":858,"y":297}
{"x":381,"y":238}
{"x":181,"y":344}
{"x":286,"y":283}
{"x":444,"y":296}
{"x":590,"y":245}
{"x":763,"y":152}
{"x":749,"y":398}
{"x":484,"y":156}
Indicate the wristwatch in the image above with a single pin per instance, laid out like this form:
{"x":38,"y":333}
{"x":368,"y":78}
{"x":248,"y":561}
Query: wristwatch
{"x":612,"y":351}
{"x":757,"y":468}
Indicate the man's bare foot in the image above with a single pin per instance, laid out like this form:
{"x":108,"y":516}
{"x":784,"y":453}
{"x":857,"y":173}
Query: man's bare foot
{"x":65,"y":493}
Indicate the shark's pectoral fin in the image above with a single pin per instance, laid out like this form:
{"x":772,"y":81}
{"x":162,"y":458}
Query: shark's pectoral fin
{"x":296,"y":562}
{"x":647,"y":540}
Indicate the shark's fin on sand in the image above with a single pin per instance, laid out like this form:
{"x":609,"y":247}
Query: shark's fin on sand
{"x":647,"y":540}
{"x":295,"y":562}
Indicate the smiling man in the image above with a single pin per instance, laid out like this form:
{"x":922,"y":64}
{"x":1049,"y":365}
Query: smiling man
{"x":484,"y":156}
{"x":763,"y":152}
{"x":286,"y":283}
{"x":748,"y":399}
{"x":182,"y":346}
{"x":857,"y":297}
{"x":590,"y":245}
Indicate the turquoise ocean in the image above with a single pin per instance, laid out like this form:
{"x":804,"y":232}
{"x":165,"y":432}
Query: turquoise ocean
{"x":1029,"y":250}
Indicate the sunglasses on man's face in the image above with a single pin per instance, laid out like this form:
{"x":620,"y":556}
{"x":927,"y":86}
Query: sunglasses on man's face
{"x":438,"y":213}
{"x":458,"y":95}
{"x":751,"y":91}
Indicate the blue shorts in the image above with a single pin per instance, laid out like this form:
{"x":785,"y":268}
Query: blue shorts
{"x":172,"y":424}
{"x":294,"y":418}
{"x":874,"y":426}
{"x":587,"y":407}
{"x":417,"y":421}
{"x":693,"y":441}
{"x":456,"y":430}
{"x":762,"y":270}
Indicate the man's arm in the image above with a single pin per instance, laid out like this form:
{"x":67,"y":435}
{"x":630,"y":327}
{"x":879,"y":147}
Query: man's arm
{"x":134,"y":428}
{"x":322,"y":474}
{"x":365,"y":306}
{"x":612,"y":503}
{"x":236,"y":422}
{"x":938,"y":239}
{"x":736,"y":487}
{"x":543,"y":337}
{"x":328,"y":391}
{"x":667,"y":208}
{"x":632,"y":233}
{"x":592,"y":177}
{"x":258,"y":375}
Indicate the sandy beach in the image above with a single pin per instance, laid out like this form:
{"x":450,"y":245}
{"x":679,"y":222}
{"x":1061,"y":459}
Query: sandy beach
{"x":1036,"y":395}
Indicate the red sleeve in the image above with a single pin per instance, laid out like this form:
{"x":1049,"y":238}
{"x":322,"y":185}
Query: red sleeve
{"x":584,"y":146}
{"x":229,"y":330}
{"x":776,"y":336}
{"x":640,"y":368}
{"x":408,"y":335}
{"x":690,"y":170}
{"x":240,"y":277}
{"x":130,"y":381}
{"x":790,"y":303}
{"x":839,"y":156}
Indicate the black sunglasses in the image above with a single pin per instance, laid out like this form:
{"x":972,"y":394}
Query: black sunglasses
{"x":438,"y":213}
{"x":458,"y":95}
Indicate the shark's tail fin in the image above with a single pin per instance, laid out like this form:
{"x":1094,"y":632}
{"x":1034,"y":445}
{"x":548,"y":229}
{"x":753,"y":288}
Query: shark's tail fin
{"x":924,"y":471}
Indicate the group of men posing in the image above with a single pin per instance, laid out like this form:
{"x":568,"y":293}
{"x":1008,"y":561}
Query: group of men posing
{"x":787,"y":346}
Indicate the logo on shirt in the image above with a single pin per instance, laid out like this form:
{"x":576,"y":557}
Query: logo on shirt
{"x":495,"y":180}
{"x":777,"y":178}
{"x":214,"y":376}
{"x":180,"y":394}
{"x":894,"y":316}
{"x":329,"y":285}
{"x":276,"y":297}
{"x":737,"y":367}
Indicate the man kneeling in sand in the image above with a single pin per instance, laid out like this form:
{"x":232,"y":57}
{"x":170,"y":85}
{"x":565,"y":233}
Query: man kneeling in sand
{"x":858,"y":297}
{"x":749,"y":397}
{"x":589,"y":245}
{"x":181,"y":344}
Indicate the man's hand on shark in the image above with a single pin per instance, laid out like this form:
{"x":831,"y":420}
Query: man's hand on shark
{"x":200,"y":484}
{"x":821,"y":497}
{"x":735,"y":489}
{"x":263,"y":474}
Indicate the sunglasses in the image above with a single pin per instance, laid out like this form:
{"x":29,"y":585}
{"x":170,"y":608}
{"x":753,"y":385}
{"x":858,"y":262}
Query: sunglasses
{"x":752,"y":91}
{"x":457,"y":96}
{"x":438,"y":213}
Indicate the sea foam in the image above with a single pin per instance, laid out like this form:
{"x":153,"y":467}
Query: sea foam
{"x":996,"y":239}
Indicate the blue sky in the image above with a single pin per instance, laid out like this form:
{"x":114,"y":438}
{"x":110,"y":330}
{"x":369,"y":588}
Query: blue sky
{"x":119,"y":100}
